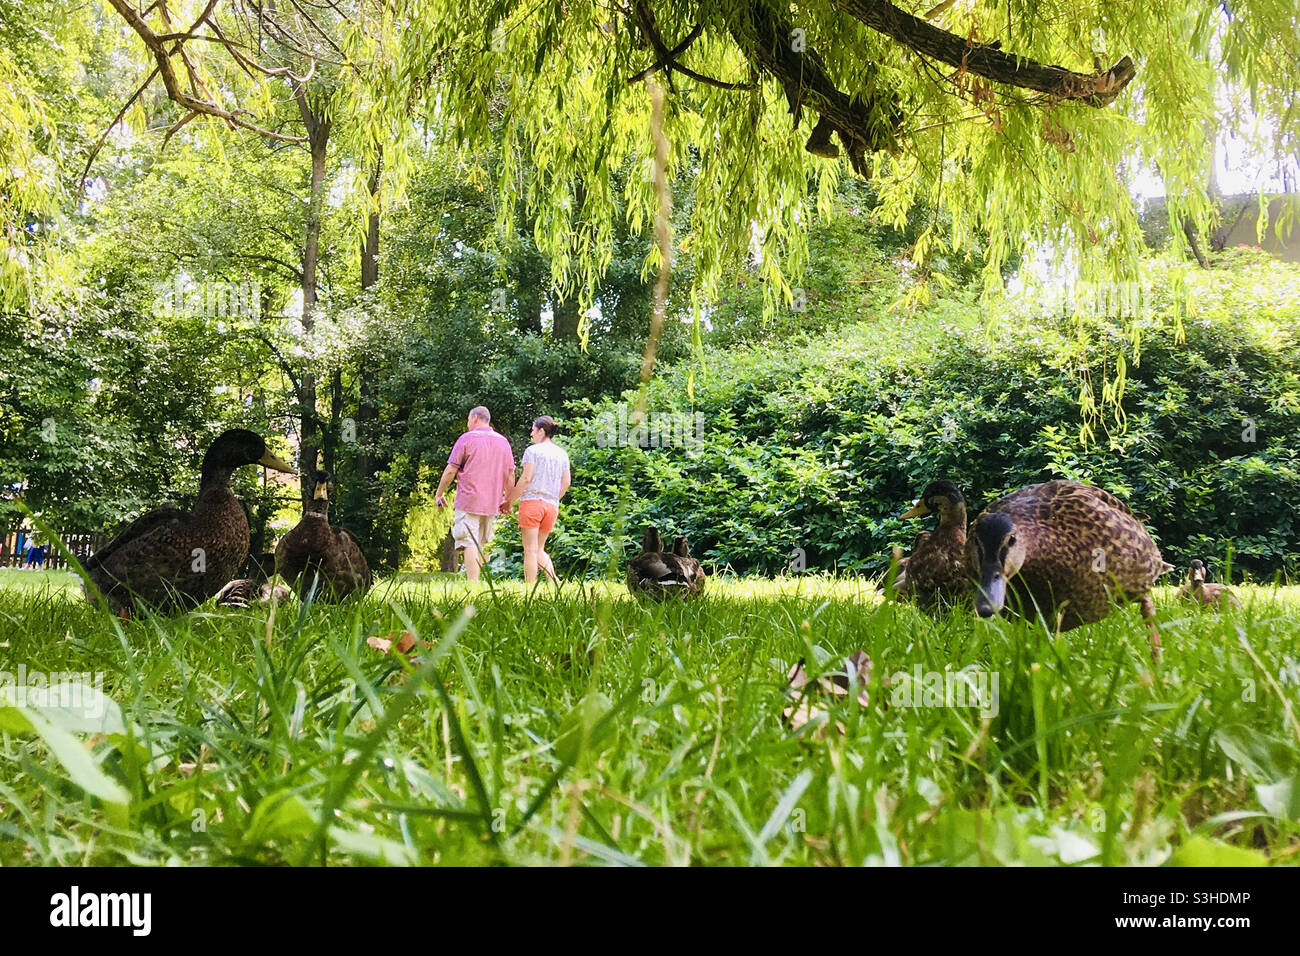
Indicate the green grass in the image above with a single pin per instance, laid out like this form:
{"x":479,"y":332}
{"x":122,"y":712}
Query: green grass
{"x":583,"y":727}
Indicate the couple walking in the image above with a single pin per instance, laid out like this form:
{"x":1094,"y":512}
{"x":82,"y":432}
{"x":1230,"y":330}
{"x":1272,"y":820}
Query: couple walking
{"x":482,"y":464}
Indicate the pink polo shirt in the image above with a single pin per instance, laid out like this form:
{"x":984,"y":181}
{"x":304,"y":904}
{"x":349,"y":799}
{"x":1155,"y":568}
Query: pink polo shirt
{"x":482,"y":455}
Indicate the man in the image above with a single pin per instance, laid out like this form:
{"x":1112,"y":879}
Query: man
{"x":482,"y":464}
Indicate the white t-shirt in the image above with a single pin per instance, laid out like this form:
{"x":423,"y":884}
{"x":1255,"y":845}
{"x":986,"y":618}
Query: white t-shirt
{"x":550,"y":462}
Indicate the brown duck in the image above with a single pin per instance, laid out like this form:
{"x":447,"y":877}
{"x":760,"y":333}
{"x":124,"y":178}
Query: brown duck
{"x":170,"y":558}
{"x":1197,"y":590}
{"x":255,"y":587}
{"x":1067,"y":550}
{"x":935,"y":573}
{"x":319,"y":559}
{"x":657,"y":573}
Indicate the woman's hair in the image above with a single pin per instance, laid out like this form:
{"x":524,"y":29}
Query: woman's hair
{"x":547,"y":424}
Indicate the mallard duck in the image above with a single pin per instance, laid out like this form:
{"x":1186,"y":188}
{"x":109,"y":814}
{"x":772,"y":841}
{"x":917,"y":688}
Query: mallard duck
{"x":169,"y":557}
{"x":1199,"y":591}
{"x":1068,"y":549}
{"x":657,"y":573}
{"x":691,"y":569}
{"x":319,"y":558}
{"x":935,"y":573}
{"x":255,"y":586}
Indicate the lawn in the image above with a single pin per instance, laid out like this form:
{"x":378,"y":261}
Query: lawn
{"x":581,"y":727}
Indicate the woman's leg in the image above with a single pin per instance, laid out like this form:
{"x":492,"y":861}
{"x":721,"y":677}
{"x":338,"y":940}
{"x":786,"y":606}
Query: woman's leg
{"x":531,"y":548}
{"x":544,"y":559}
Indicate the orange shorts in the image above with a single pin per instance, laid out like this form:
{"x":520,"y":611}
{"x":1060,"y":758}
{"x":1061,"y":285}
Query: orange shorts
{"x":535,"y":513}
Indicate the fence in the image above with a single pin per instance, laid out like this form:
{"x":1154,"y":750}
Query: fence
{"x":18,"y":541}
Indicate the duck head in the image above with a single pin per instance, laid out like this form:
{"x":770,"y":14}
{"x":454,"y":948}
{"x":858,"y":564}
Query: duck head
{"x":651,"y":542}
{"x":235,"y":448}
{"x":942,"y":498}
{"x":998,"y":557}
{"x":1196,"y":574}
{"x":323,"y":492}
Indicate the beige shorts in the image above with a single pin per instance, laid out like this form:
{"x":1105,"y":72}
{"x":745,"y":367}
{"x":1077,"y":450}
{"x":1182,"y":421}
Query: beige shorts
{"x":468,"y":529}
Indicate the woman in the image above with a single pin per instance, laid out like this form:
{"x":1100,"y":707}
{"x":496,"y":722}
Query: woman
{"x":542,"y":483}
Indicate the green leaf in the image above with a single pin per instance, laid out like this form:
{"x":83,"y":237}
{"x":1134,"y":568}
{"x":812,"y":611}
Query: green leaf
{"x":1282,"y":799}
{"x":278,"y":816}
{"x":371,"y":847}
{"x":1202,"y":851}
{"x":578,"y":730}
{"x":1265,"y":758}
{"x":73,"y":756}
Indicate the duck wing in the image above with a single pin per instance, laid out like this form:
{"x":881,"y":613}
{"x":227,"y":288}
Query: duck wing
{"x":351,"y":557}
{"x":150,"y":559}
{"x":165,"y":515}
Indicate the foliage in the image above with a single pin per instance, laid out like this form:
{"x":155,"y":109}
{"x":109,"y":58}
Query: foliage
{"x":819,"y":447}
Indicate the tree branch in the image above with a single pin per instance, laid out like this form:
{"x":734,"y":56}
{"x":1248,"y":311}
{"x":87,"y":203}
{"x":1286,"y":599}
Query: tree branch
{"x":986,"y":60}
{"x":172,"y":82}
{"x":864,"y":123}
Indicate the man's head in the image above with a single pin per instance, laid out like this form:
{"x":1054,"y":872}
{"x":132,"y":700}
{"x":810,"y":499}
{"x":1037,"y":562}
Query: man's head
{"x":479,"y":416}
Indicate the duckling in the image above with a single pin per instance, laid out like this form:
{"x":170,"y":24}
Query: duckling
{"x":255,"y":586}
{"x":657,"y":573}
{"x":170,"y":558}
{"x":692,"y":570}
{"x":1068,"y":549}
{"x":1199,"y":591}
{"x":317,"y":557}
{"x":935,"y":572}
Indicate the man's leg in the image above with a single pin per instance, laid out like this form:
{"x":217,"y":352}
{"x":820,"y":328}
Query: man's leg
{"x":473,"y":561}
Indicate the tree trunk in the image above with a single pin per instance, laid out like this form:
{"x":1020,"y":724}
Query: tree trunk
{"x":448,"y":563}
{"x":566,"y":318}
{"x":318,"y":131}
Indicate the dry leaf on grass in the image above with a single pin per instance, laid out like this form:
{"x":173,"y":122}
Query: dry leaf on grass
{"x":835,"y":685}
{"x":403,"y":641}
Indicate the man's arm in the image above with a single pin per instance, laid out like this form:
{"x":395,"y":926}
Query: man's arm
{"x":444,"y":483}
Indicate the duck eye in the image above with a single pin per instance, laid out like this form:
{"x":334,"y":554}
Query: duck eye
{"x":1011,"y":541}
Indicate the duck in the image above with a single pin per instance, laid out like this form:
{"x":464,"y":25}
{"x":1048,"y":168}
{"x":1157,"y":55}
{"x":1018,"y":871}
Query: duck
{"x":320,"y":560}
{"x":1067,"y":550}
{"x":172,"y":559}
{"x":1201,"y":592}
{"x":692,"y":570}
{"x":935,"y":573}
{"x":255,"y":587}
{"x":657,"y":573}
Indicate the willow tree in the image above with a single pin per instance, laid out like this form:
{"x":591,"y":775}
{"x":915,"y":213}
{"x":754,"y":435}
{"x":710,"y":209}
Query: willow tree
{"x":1011,"y":120}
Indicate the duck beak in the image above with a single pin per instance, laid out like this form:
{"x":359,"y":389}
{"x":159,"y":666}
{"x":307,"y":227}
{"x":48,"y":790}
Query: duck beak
{"x":916,"y":510}
{"x":270,"y":461}
{"x":992,"y":592}
{"x":322,"y":492}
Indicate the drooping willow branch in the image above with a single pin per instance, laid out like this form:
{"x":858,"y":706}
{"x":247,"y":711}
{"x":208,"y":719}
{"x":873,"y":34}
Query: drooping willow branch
{"x":871,"y":119}
{"x":988,"y":59}
{"x":667,"y":59}
{"x":158,"y":46}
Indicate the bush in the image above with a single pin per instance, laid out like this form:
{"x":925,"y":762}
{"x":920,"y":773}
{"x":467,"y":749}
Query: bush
{"x":819,"y":444}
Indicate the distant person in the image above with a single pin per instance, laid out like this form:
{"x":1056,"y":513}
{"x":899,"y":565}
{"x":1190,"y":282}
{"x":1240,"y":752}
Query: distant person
{"x":482,"y":464}
{"x":32,"y":552}
{"x":542,"y":483}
